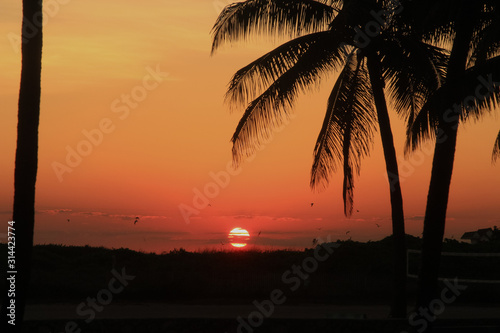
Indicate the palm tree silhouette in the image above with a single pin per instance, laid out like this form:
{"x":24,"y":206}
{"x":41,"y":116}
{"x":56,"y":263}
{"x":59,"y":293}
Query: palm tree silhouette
{"x":496,"y":149}
{"x":26,"y":162}
{"x":473,"y":30}
{"x":323,"y":40}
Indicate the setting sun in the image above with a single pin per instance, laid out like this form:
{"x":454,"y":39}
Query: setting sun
{"x":238,"y":237}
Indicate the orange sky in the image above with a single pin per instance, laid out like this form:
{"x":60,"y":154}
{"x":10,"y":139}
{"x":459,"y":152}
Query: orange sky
{"x":162,"y":146}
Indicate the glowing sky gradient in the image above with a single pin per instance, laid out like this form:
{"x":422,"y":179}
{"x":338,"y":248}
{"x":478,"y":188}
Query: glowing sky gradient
{"x":159,"y":150}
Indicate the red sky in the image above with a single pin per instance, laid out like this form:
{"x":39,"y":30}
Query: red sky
{"x":160,"y":146}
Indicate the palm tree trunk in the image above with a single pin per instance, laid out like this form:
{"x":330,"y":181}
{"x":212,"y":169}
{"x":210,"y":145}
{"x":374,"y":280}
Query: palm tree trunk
{"x":26,"y":163}
{"x":442,"y":167}
{"x":435,"y":214}
{"x":398,"y":307}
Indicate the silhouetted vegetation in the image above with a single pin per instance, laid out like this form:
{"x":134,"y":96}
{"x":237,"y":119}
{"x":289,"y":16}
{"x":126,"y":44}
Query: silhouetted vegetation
{"x":354,"y":273}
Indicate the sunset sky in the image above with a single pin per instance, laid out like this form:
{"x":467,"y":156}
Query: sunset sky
{"x":142,"y":75}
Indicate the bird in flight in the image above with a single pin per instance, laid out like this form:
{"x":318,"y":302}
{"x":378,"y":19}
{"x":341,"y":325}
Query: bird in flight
{"x":68,"y":220}
{"x":259,"y":233}
{"x":222,"y":243}
{"x":136,"y":220}
{"x":378,"y":225}
{"x":357,"y":210}
{"x":348,"y":231}
{"x":312,"y":204}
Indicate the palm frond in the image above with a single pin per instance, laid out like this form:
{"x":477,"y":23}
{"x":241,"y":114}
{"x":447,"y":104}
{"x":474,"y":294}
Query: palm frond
{"x":347,"y":131}
{"x":272,"y":107}
{"x":250,"y":80}
{"x":328,"y":150}
{"x":496,"y":149}
{"x":414,"y":71}
{"x":436,"y":21}
{"x":467,"y":97}
{"x":430,"y":20}
{"x":336,"y":4}
{"x":274,"y":18}
{"x":486,"y":40}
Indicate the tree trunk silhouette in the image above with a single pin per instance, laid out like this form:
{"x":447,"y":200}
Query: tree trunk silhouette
{"x":442,"y":167}
{"x":26,"y":162}
{"x":398,"y":306}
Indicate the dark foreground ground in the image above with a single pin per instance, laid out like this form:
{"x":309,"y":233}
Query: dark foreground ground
{"x":120,"y":310}
{"x":270,"y":325}
{"x":241,"y":318}
{"x":208,"y":291}
{"x":247,"y":318}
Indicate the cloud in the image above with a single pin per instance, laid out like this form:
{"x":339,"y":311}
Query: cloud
{"x":261,"y":218}
{"x":121,"y":216}
{"x":54,"y":211}
{"x":286,"y":219}
{"x":242,"y":217}
{"x":282,"y":233}
{"x":90,"y":214}
{"x":145,"y":233}
{"x":415,"y":218}
{"x":125,"y":217}
{"x":422,"y":217}
{"x":153,"y":217}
